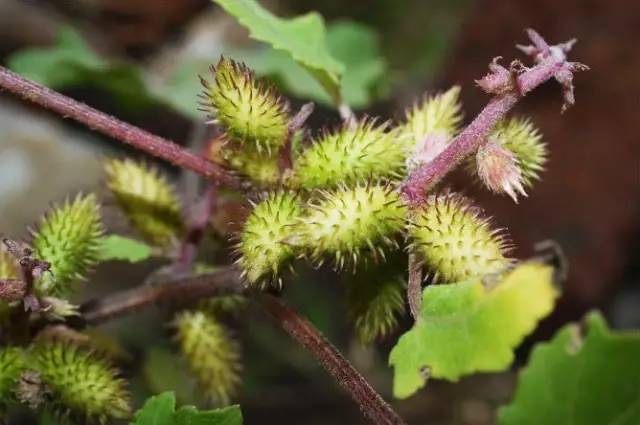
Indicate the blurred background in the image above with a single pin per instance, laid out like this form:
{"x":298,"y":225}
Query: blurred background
{"x":139,"y":60}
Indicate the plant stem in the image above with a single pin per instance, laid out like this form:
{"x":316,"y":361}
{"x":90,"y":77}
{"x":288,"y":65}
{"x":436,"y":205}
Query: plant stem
{"x":228,"y":281}
{"x":113,"y":127}
{"x":508,"y":88}
{"x":199,"y":220}
{"x":414,"y":285}
{"x":295,"y":124}
{"x":225,"y":281}
{"x":303,"y":332}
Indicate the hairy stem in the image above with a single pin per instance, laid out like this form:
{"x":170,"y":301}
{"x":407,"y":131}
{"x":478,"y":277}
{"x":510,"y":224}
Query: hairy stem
{"x":414,"y":285}
{"x":508,"y":86}
{"x":303,"y":332}
{"x":113,"y":127}
{"x":227,"y":281}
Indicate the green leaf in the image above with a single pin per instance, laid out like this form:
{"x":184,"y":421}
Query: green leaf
{"x":471,"y":327}
{"x":160,"y":410}
{"x":116,"y":247}
{"x":587,"y":379}
{"x":60,"y":65}
{"x":354,"y":44}
{"x":303,"y":37}
{"x":357,"y":46}
{"x":157,"y":410}
{"x":70,"y":62}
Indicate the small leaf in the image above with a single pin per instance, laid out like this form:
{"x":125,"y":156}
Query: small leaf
{"x":590,"y":379}
{"x":471,"y":327}
{"x":303,"y":37}
{"x":160,"y":410}
{"x":116,"y":247}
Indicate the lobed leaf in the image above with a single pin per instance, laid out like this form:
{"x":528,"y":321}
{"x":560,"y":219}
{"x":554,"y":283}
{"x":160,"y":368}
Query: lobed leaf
{"x":471,"y":327}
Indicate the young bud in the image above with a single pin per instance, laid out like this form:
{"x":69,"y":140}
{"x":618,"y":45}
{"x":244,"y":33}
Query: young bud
{"x":522,"y":139}
{"x":347,"y":221}
{"x":81,"y":383}
{"x":499,"y":171}
{"x":211,"y":353}
{"x":11,"y":366}
{"x":68,"y":238}
{"x":455,"y":241}
{"x":263,"y":245}
{"x":250,"y":110}
{"x":430,"y":126}
{"x":147,"y":199}
{"x":352,"y":154}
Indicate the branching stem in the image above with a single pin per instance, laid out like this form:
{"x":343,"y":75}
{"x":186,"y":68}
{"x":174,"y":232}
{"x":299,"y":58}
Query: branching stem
{"x":227,"y":281}
{"x":508,"y":86}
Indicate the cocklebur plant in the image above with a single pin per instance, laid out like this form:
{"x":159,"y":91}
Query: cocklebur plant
{"x":361,"y":196}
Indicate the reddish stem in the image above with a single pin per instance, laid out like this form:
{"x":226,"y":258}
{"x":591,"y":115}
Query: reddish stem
{"x":343,"y":372}
{"x":225,"y":281}
{"x":200,"y":219}
{"x":508,"y":88}
{"x":228,"y":281}
{"x":113,"y":127}
{"x":414,"y":285}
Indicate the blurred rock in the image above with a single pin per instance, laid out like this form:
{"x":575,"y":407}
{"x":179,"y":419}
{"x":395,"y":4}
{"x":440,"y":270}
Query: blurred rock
{"x":42,"y":160}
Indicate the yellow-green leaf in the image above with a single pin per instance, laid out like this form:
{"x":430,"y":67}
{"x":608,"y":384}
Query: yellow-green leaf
{"x":471,"y":326}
